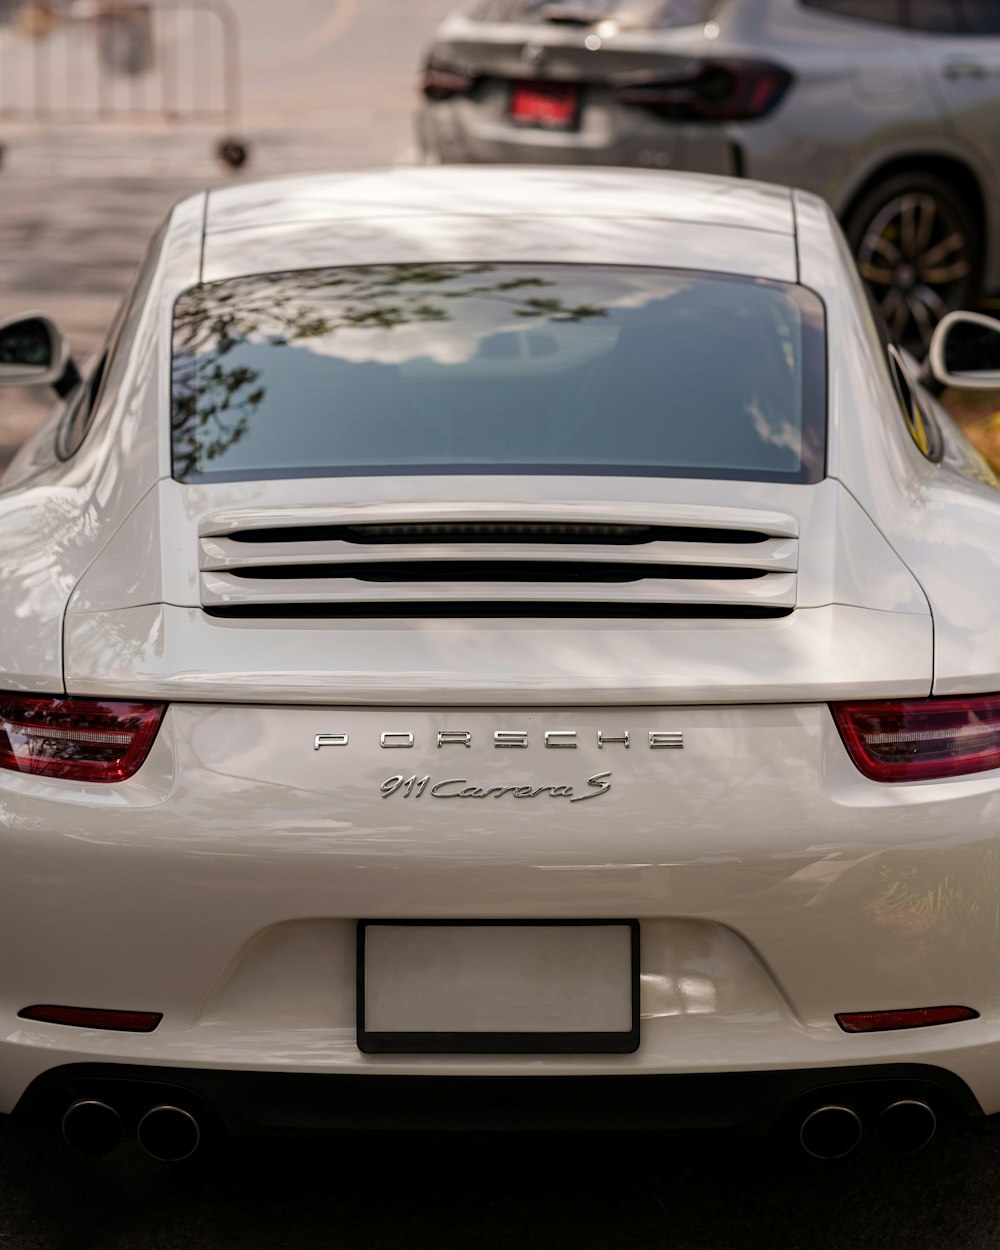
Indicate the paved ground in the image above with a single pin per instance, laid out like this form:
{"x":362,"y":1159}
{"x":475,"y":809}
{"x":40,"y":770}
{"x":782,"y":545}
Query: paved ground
{"x":581,"y":1194}
{"x":327,"y":84}
{"x":330,"y":85}
{"x":585,"y":1194}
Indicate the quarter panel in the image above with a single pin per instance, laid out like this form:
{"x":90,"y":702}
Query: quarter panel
{"x":945,"y":527}
{"x":53,"y":525}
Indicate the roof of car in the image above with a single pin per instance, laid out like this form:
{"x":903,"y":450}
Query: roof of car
{"x":498,"y":214}
{"x":501,"y":191}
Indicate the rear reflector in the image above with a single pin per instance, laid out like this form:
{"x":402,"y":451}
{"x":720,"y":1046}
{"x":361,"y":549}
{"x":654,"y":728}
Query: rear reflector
{"x":907,"y":1018}
{"x":921,"y":739}
{"x":76,"y":739}
{"x":93,"y":1018}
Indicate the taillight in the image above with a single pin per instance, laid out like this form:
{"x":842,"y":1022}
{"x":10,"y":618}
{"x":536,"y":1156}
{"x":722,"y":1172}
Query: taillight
{"x":723,"y":90}
{"x":76,"y":739}
{"x":442,"y":80}
{"x":919,"y":739}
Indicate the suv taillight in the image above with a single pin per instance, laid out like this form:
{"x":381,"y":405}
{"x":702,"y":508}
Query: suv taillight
{"x":442,"y":80}
{"x":76,"y":739}
{"x":721,"y":90}
{"x":921,"y":739}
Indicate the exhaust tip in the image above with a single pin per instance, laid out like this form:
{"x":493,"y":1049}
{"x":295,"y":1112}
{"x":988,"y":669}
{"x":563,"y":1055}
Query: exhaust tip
{"x":830,"y":1132}
{"x":92,"y":1127}
{"x":169,"y":1134}
{"x":906,"y":1125}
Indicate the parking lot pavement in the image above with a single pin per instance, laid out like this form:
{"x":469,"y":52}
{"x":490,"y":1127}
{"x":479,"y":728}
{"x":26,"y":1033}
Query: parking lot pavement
{"x":534,"y":1194}
{"x":327,"y":84}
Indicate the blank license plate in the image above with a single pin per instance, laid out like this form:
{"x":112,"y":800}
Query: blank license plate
{"x":551,"y":105}
{"x":498,"y":987}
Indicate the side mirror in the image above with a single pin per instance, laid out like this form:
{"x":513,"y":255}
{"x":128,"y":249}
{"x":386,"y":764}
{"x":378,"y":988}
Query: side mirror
{"x":965,"y":352}
{"x":34,"y":352}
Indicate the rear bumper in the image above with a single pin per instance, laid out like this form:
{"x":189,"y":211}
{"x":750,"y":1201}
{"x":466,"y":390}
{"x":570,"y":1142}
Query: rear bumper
{"x":774,"y":886}
{"x":256,"y":1104}
{"x":462,"y":132}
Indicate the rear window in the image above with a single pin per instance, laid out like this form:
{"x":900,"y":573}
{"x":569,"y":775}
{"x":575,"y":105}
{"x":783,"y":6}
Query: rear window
{"x":635,"y":13}
{"x":498,"y":368}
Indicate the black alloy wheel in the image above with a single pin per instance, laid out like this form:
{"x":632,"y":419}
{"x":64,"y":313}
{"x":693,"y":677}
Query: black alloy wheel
{"x":919,"y":249}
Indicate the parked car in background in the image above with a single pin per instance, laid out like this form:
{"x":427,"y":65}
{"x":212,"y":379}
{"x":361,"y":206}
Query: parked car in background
{"x":890,"y":109}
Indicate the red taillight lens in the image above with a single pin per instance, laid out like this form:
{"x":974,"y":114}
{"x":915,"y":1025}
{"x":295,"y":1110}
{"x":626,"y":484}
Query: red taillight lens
{"x":919,"y":739}
{"x":95,"y":1018}
{"x":906,"y":1018}
{"x":442,"y":80}
{"x":729,"y":89}
{"x":76,"y":739}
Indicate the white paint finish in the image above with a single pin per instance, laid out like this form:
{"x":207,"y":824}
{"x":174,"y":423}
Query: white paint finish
{"x":840,"y":556}
{"x":943,"y":524}
{"x":440,"y":500}
{"x":551,"y":239}
{"x":302,"y":972}
{"x":772,"y":590}
{"x":179,"y":653}
{"x":495,"y":192}
{"x":222,"y":555}
{"x":861,"y":627}
{"x":498,"y":978}
{"x":757,"y":860}
{"x":54,"y":524}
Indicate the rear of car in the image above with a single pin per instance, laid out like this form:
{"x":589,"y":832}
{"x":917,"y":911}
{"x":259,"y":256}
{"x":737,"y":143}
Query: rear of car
{"x":887,"y":109}
{"x":510,"y":627}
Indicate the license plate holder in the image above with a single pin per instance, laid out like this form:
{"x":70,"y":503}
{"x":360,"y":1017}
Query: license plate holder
{"x":408,"y":970}
{"x":545,"y":105}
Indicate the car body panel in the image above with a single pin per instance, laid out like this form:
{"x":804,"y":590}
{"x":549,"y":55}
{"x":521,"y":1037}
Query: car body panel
{"x":856,"y":620}
{"x":938,"y":510}
{"x":55,"y":517}
{"x":752,"y":929}
{"x":774,"y":884}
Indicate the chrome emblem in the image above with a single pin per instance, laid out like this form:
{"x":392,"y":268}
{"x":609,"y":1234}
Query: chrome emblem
{"x":514,"y":739}
{"x":533,"y":54}
{"x":460,"y":788}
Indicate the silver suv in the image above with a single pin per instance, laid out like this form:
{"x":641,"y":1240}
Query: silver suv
{"x":888,"y":108}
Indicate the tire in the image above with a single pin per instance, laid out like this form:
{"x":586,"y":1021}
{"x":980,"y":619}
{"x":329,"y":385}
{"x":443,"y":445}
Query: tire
{"x":900,"y":233}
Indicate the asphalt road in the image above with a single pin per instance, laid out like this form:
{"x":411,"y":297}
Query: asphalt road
{"x":584,"y":1193}
{"x":326,"y":84}
{"x":329,"y":85}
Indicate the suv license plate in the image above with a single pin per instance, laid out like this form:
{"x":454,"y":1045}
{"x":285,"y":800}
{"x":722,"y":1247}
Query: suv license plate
{"x":549,"y":105}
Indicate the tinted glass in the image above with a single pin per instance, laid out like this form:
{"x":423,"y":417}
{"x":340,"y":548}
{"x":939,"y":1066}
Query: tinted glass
{"x":888,"y":11}
{"x":935,"y":15}
{"x":649,"y":13}
{"x":982,"y":17}
{"x":481,"y":368}
{"x":971,"y":348}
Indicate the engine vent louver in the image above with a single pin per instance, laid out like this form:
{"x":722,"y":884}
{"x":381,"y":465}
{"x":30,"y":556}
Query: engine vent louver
{"x":490,"y":567}
{"x":497,"y":532}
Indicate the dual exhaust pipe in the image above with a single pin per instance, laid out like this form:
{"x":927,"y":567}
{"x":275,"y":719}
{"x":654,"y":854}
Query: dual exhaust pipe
{"x":166,"y":1133}
{"x":170,"y":1134}
{"x":833,"y":1131}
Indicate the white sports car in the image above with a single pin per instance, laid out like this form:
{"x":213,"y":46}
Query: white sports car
{"x":499,"y":648}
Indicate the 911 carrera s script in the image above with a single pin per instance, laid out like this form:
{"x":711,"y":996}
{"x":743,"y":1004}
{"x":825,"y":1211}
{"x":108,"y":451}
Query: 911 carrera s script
{"x":461,"y":788}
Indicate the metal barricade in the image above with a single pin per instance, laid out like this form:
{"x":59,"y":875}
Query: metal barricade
{"x":173,"y":62}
